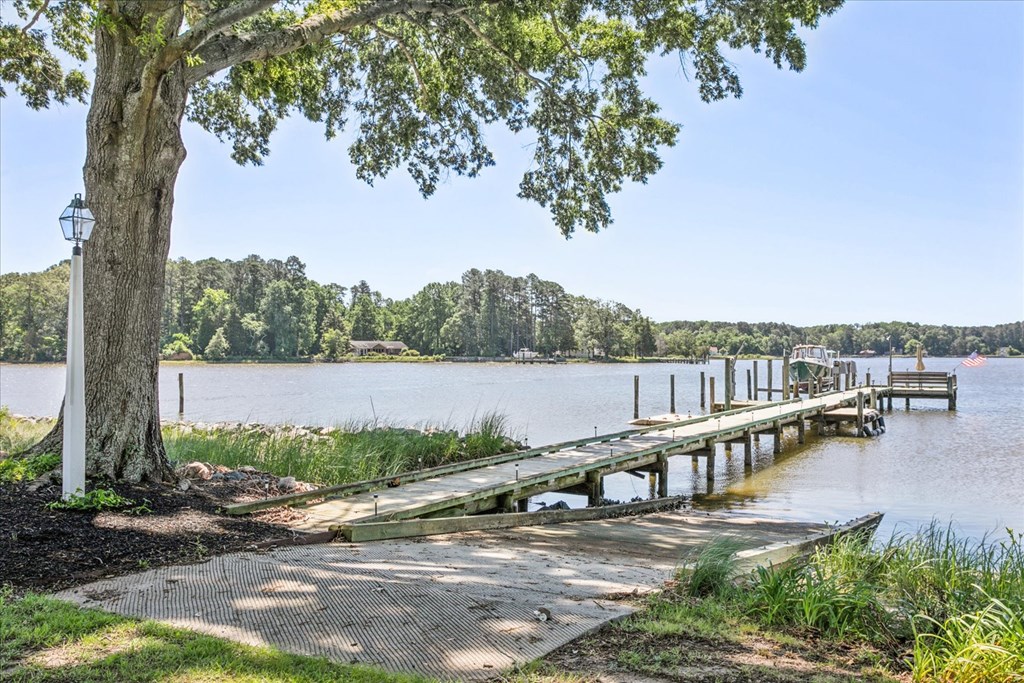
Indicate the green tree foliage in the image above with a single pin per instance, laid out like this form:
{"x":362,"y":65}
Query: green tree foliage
{"x":278,"y":312}
{"x":209,"y":315}
{"x":218,"y":348}
{"x":334,"y":344}
{"x":487,"y":313}
{"x":34,"y":314}
{"x":364,"y":319}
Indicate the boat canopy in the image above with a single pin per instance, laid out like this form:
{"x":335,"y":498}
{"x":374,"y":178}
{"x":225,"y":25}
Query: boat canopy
{"x":809,"y":352}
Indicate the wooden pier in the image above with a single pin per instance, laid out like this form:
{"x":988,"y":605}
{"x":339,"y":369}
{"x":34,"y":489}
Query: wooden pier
{"x":504,"y":483}
{"x":930,"y":385}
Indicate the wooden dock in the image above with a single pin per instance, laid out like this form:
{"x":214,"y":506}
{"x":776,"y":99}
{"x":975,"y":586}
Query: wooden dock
{"x":930,"y":385}
{"x":504,"y":483}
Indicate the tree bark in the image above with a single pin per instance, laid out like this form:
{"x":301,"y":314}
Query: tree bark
{"x":134,"y":154}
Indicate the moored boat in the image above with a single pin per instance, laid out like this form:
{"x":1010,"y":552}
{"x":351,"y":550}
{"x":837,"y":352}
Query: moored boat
{"x":813,"y":363}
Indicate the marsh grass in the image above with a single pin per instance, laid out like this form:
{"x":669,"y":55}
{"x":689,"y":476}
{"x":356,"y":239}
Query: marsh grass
{"x":712,"y":570}
{"x":954,"y":602}
{"x":17,"y":435}
{"x":354,"y":452}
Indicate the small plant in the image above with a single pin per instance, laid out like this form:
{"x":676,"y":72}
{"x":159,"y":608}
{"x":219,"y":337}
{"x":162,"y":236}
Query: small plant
{"x":31,"y":467}
{"x":713,"y":568}
{"x":199,"y":551}
{"x":96,"y":501}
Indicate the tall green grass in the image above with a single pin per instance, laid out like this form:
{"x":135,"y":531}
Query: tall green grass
{"x":953,"y":602}
{"x":17,"y":435}
{"x":354,"y":452}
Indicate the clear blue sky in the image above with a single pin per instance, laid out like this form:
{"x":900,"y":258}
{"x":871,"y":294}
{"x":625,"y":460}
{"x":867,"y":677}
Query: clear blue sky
{"x":885,"y":182}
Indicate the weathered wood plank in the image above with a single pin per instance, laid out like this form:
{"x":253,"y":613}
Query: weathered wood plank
{"x":376,"y":531}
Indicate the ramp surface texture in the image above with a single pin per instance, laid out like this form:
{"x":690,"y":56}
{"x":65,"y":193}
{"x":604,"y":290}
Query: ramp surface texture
{"x":459,"y":607}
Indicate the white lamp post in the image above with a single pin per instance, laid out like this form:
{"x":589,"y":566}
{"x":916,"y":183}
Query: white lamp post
{"x":76,"y":221}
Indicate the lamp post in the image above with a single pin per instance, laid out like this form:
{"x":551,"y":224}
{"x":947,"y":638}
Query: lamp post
{"x":76,"y":221}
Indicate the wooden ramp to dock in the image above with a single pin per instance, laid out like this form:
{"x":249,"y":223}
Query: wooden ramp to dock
{"x":505,"y":483}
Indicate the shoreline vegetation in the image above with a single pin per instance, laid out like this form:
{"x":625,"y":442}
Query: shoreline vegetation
{"x":271,"y":311}
{"x":929,"y":606}
{"x":444,"y":360}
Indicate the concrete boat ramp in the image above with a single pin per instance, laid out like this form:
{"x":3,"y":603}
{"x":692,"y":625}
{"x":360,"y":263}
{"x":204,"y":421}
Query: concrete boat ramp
{"x":458,"y":607}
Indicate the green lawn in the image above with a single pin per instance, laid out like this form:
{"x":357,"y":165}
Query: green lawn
{"x":42,"y":639}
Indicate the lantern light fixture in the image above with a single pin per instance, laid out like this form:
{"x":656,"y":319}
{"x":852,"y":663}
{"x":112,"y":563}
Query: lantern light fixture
{"x":76,"y":221}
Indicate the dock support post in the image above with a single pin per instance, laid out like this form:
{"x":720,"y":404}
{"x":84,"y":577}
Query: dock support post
{"x":672,"y":393}
{"x":860,"y":413}
{"x":505,"y":502}
{"x":748,"y":449}
{"x":711,"y":465}
{"x":636,"y":397}
{"x":777,"y":448}
{"x":770,"y":390}
{"x":702,"y":403}
{"x":756,"y":384}
{"x":801,"y":427}
{"x":785,"y":377}
{"x":749,"y":387}
{"x":821,"y":422}
{"x":711,"y":394}
{"x":662,"y":476}
{"x":595,"y":488}
{"x":888,"y":401}
{"x":867,"y":378}
{"x":951,"y":392}
{"x":874,"y":398}
{"x":796,"y":389}
{"x":908,"y":403}
{"x":810,"y":388}
{"x":181,"y":394}
{"x":730,"y":386}
{"x":523,"y":505}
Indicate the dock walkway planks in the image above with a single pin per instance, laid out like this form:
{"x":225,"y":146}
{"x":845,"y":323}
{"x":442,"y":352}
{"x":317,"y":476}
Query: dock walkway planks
{"x":496,"y":486}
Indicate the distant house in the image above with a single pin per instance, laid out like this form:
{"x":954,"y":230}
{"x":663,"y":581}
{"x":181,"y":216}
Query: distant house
{"x":386,"y":348}
{"x":864,"y":353}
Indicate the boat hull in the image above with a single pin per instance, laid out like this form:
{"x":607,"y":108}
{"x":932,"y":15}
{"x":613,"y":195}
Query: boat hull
{"x":805,"y":370}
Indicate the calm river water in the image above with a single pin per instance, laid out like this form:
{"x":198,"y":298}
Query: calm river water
{"x":965,"y":467}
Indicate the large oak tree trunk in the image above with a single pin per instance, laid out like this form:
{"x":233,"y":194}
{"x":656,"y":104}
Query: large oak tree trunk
{"x":134,"y":154}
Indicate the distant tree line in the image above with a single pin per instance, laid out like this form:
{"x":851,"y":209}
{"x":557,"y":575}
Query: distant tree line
{"x":256,"y":308}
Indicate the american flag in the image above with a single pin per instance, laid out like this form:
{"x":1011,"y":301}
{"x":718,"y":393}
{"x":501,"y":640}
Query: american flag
{"x":974,"y":360}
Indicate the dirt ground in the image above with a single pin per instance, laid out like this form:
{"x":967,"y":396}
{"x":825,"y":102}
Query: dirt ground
{"x":48,"y":550}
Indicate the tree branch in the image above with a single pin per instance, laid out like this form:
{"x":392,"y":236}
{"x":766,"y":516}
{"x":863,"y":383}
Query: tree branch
{"x":519,"y":68}
{"x":214,"y":23}
{"x":227,"y":50}
{"x":408,"y":56}
{"x":35,"y":17}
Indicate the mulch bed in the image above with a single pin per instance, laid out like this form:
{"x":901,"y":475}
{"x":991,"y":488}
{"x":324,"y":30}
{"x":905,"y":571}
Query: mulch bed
{"x":47,"y":550}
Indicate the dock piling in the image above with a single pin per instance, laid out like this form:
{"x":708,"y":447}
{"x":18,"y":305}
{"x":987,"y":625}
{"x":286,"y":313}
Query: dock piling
{"x":181,"y":394}
{"x":711,"y":391}
{"x":730,"y":383}
{"x":860,"y":413}
{"x":636,"y":397}
{"x":672,"y":393}
{"x":702,"y":404}
{"x":770,"y":389}
{"x":663,"y":476}
{"x":750,"y":394}
{"x":756,"y":383}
